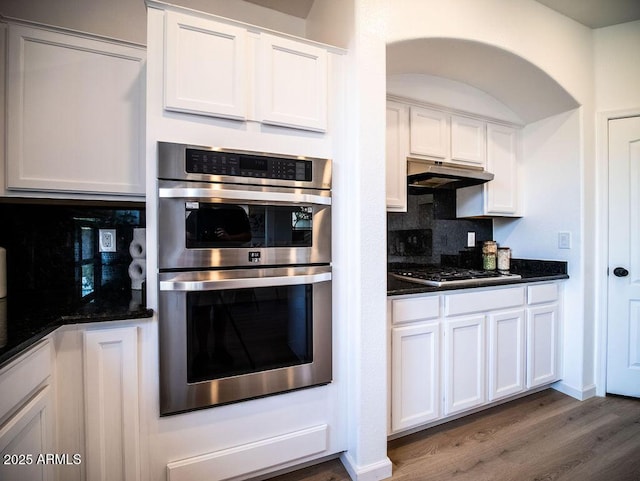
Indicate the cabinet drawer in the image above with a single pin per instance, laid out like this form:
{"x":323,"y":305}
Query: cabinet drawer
{"x":419,"y":308}
{"x":485,"y":300}
{"x":20,"y":378}
{"x":542,"y":293}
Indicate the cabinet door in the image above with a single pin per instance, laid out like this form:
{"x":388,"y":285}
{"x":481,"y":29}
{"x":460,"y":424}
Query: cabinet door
{"x":464,"y":357}
{"x":292,"y":84}
{"x":26,"y":436}
{"x":468,"y":141}
{"x":429,"y":133}
{"x":77,"y":110}
{"x":506,"y":353}
{"x":499,"y":197}
{"x":397,"y":151}
{"x":501,"y":194}
{"x":111,"y":394}
{"x":415,"y":375}
{"x":205,"y":67}
{"x":542,"y":344}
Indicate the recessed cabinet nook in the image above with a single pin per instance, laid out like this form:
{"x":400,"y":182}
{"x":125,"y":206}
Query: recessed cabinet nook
{"x":459,"y":351}
{"x":432,"y":133}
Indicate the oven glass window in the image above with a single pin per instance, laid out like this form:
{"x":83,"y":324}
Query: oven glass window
{"x":219,"y":225}
{"x":241,"y":331}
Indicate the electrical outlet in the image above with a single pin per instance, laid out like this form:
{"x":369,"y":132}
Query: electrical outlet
{"x":471,"y":239}
{"x":564,"y":240}
{"x":107,"y":239}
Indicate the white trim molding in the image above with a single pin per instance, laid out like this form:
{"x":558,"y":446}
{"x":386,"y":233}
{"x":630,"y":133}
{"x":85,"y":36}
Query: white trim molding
{"x":371,"y":472}
{"x":602,"y":243}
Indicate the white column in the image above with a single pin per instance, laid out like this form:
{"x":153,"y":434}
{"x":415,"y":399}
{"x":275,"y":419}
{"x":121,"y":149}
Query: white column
{"x":366,"y":456}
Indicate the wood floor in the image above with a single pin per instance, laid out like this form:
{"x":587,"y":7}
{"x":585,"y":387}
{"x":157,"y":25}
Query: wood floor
{"x":546,"y":436}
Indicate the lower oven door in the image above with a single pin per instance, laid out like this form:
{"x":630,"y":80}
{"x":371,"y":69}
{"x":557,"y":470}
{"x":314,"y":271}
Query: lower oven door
{"x":231,"y":335}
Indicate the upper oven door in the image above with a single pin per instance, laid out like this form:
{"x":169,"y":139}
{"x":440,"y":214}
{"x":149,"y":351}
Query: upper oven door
{"x":205,"y":225}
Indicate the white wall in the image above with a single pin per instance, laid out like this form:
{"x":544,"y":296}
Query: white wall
{"x":617,"y":66}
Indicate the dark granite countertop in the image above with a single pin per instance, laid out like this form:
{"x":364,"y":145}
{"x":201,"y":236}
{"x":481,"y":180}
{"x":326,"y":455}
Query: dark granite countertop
{"x":530,"y":270}
{"x":31,"y":325}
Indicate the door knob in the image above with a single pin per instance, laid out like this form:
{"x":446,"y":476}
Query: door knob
{"x":620,"y":272}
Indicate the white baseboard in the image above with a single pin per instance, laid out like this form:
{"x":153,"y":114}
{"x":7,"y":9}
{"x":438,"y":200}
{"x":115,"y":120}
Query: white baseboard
{"x":371,"y":472}
{"x":579,"y":394}
{"x":241,"y":460}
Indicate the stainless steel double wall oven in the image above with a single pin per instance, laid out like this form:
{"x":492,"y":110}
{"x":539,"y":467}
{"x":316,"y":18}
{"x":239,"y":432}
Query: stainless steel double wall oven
{"x":244,"y":242}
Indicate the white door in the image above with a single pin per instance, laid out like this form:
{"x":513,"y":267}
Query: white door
{"x":623,"y":337}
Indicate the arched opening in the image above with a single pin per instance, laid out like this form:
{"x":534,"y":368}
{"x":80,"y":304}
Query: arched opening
{"x":520,"y":85}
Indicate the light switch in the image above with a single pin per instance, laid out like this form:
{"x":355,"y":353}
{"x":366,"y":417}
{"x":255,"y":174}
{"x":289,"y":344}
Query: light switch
{"x":564,"y":240}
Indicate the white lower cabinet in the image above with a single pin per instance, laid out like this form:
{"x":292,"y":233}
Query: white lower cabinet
{"x":464,"y":363}
{"x":27,"y":417}
{"x":415,"y":364}
{"x":456,"y":352}
{"x":543,"y":334}
{"x":97,"y":392}
{"x":416,"y":374}
{"x":506,"y":353}
{"x":111,"y":404}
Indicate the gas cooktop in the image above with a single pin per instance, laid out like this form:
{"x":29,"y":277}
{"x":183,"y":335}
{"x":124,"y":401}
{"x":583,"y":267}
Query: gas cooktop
{"x":452,"y":276}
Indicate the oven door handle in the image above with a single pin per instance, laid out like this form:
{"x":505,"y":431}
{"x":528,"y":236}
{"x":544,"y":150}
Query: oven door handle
{"x":184,"y":283}
{"x":194,"y":193}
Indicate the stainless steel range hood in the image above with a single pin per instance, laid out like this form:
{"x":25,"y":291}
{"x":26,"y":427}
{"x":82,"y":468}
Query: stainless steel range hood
{"x":425,"y":175}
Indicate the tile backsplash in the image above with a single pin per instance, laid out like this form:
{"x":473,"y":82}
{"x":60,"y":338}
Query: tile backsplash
{"x":53,"y":255}
{"x":429,"y":232}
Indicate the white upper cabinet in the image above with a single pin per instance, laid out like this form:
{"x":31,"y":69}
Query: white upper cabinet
{"x":224,"y":70}
{"x":205,"y":67}
{"x":468,"y":140}
{"x":75,"y":113}
{"x":292,"y":83}
{"x":442,"y":137}
{"x":430,"y":133}
{"x":502,"y":160}
{"x":397,"y":150}
{"x":499,"y":197}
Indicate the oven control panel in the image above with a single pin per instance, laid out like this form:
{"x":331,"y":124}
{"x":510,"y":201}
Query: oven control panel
{"x":247,"y":165}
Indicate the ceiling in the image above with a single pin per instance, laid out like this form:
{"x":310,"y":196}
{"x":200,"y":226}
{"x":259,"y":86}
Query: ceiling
{"x":597,"y":13}
{"x":592,"y":13}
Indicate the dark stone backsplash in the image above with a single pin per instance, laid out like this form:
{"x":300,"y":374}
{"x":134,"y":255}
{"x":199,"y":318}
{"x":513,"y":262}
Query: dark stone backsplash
{"x":429,"y":233}
{"x":53,"y":263}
